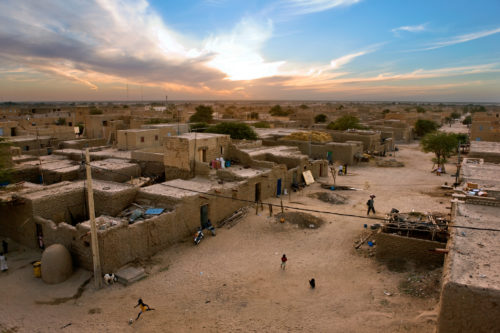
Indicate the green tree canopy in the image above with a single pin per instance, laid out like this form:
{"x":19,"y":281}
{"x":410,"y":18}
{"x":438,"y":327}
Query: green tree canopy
{"x":254,"y":115}
{"x":344,"y":123}
{"x":320,"y":118}
{"x":303,"y":106}
{"x":443,"y":145}
{"x":278,"y":111}
{"x":424,"y":126}
{"x":238,"y":131}
{"x":203,"y":114}
{"x":467,"y":120}
{"x":455,"y":115}
{"x":420,"y":109}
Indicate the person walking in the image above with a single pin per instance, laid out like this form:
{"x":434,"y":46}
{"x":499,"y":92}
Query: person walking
{"x":370,"y":204}
{"x":283,"y":261}
{"x":144,"y":307}
{"x":3,"y":263}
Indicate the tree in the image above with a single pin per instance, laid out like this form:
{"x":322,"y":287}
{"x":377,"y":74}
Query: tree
{"x":344,"y":123}
{"x":443,"y":145}
{"x":462,"y":137}
{"x":386,"y":111}
{"x":424,"y":126}
{"x":203,"y":114}
{"x":303,"y":107}
{"x":237,"y":131}
{"x":5,"y":161}
{"x":320,"y":118}
{"x":254,"y":115}
{"x":420,"y":109}
{"x":467,"y":120}
{"x":278,"y":111}
{"x":455,"y":115}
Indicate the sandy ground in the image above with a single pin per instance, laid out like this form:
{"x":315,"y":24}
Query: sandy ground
{"x":233,"y":282}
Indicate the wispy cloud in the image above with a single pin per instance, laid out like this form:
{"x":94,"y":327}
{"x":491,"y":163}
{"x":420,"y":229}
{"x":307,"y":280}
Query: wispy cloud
{"x":302,"y":7}
{"x":410,"y":28}
{"x":339,"y":62}
{"x":462,"y":39}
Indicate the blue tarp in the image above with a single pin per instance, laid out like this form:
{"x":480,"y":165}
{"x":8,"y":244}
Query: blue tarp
{"x":154,"y":211}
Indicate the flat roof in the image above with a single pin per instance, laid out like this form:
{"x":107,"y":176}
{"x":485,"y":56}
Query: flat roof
{"x":287,"y":151}
{"x":193,"y":135}
{"x":193,"y":187}
{"x":474,"y":257}
{"x":485,"y":174}
{"x":484,"y":147}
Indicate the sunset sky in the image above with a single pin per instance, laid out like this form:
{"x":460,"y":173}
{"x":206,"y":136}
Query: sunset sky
{"x":233,"y":49}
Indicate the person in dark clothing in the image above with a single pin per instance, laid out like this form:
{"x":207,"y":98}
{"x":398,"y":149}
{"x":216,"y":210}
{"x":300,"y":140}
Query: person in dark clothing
{"x":144,"y":307}
{"x":345,"y":169}
{"x":283,"y":262}
{"x":312,"y":283}
{"x":370,"y":204}
{"x":5,"y":246}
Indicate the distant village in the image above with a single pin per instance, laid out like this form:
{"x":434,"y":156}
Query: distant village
{"x":165,"y":171}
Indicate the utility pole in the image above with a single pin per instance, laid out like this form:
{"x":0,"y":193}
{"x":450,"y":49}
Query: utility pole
{"x":93,"y":230}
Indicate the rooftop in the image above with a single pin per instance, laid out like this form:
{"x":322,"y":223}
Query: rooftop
{"x":485,"y":174}
{"x":198,"y":136}
{"x":484,"y":147}
{"x":475,"y":260}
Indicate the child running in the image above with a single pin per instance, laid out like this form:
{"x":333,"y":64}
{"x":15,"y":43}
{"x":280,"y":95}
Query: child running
{"x":144,"y":307}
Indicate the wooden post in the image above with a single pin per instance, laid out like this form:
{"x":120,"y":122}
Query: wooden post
{"x":270,"y":210}
{"x":93,"y":230}
{"x":256,"y":208}
{"x":282,"y":210}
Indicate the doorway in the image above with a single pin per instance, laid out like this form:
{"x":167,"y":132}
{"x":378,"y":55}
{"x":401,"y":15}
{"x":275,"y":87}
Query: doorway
{"x":257,"y":192}
{"x":329,"y":157}
{"x":203,"y":215}
{"x":278,"y":188}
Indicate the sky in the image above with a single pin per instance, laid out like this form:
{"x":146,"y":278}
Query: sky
{"x":366,"y":50}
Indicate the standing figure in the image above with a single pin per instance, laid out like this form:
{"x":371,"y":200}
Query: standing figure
{"x":144,"y":307}
{"x":3,"y":263}
{"x":345,"y":169}
{"x":5,"y":247}
{"x":340,"y":170}
{"x":370,"y":204}
{"x":283,"y":261}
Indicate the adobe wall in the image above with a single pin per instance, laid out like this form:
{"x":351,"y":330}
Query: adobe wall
{"x":370,"y":140}
{"x":466,"y":308}
{"x":115,"y":172}
{"x":394,"y":247}
{"x":489,"y":157}
{"x":27,"y":173}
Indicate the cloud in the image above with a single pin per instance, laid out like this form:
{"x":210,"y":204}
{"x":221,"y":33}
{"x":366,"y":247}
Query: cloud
{"x":123,"y":40}
{"x":410,"y":28}
{"x":339,"y":62}
{"x":302,"y":7}
{"x":462,"y":39}
{"x":237,"y":53}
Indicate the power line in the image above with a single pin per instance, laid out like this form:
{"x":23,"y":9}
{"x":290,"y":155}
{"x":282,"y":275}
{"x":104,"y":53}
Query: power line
{"x":291,"y":207}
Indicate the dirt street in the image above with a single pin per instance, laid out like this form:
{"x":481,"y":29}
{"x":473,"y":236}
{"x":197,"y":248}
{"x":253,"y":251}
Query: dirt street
{"x":233,"y":282}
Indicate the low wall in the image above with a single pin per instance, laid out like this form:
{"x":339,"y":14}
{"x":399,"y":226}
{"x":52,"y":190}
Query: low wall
{"x":480,"y":306}
{"x":394,"y":248}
